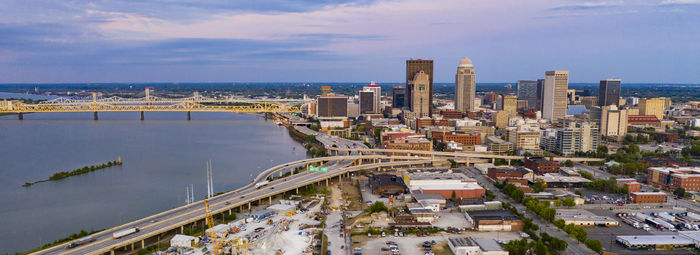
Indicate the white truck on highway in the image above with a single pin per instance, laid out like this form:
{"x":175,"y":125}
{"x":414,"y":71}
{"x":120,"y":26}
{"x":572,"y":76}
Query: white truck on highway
{"x":125,"y":232}
{"x":261,"y":184}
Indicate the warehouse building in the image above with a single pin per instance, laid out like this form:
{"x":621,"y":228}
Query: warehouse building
{"x":468,"y":245}
{"x":444,"y":183}
{"x":654,"y":242}
{"x":494,"y":220}
{"x":585,"y":218}
{"x":386,"y":184}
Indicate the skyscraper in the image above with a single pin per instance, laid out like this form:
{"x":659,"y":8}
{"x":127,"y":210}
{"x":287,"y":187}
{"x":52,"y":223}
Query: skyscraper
{"x":332,"y":106}
{"x":527,"y":90}
{"x":540,"y":94}
{"x":554,"y":103}
{"x":510,"y":104}
{"x":652,"y":106}
{"x":609,"y":92}
{"x":398,"y":94}
{"x":420,"y":105}
{"x":366,"y":101}
{"x":414,"y":66}
{"x":465,"y":86}
{"x":377,"y":96}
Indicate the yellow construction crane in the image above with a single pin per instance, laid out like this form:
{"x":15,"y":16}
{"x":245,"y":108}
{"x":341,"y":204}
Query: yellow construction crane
{"x":240,"y":244}
{"x":215,"y":242}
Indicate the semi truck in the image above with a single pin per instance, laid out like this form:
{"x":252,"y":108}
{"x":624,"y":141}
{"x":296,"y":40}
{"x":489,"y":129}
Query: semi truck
{"x":125,"y":232}
{"x":261,"y":184}
{"x":80,"y":241}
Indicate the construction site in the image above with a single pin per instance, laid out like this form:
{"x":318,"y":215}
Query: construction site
{"x":288,"y":227}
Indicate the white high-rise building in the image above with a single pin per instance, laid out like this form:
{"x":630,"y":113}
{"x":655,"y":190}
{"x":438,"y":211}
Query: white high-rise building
{"x":465,"y":86}
{"x":377,"y":95}
{"x":555,"y":102}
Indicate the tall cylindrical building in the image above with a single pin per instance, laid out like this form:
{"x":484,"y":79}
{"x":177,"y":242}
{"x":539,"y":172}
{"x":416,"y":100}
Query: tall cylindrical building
{"x":465,"y":86}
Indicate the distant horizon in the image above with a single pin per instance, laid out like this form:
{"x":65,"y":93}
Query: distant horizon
{"x":316,"y":83}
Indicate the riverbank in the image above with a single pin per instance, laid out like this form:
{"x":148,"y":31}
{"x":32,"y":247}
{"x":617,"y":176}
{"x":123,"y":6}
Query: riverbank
{"x":84,"y":170}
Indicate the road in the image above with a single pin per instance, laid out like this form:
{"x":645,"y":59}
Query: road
{"x":574,"y":247}
{"x":178,"y":216}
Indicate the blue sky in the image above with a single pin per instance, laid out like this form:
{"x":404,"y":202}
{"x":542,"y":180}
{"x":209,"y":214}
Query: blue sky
{"x":48,"y":41}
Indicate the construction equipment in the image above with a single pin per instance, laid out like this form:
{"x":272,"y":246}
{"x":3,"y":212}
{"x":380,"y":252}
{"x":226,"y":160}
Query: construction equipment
{"x":238,"y":245}
{"x":215,"y":241}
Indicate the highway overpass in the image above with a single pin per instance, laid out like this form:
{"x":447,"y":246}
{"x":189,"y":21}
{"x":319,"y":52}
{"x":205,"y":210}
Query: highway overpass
{"x":456,"y":155}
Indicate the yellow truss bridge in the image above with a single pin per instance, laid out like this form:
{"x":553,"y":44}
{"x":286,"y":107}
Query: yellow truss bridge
{"x":149,"y":103}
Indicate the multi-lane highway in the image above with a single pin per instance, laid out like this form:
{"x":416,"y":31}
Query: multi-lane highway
{"x":172,"y":219}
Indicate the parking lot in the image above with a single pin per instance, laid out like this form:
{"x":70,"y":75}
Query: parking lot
{"x":413,"y":245}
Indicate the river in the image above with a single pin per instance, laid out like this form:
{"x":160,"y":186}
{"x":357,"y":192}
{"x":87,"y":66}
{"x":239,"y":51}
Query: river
{"x":161,"y":155}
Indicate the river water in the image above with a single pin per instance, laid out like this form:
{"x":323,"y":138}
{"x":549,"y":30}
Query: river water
{"x":161,"y":155}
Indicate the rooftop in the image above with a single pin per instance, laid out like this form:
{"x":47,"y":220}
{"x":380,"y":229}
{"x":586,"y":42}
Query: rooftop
{"x":649,"y":193}
{"x":560,"y":178}
{"x":462,"y":242}
{"x":492,"y":215}
{"x":580,"y":215}
{"x":435,"y":175}
{"x":488,"y":244}
{"x":654,"y":240}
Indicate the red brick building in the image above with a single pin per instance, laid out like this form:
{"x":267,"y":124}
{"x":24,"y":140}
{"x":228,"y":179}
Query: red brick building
{"x":648,"y":197}
{"x":643,"y":120}
{"x":451,"y":114}
{"x":540,"y":165}
{"x":465,"y":139}
{"x":505,"y":173}
{"x":671,"y":178}
{"x":430,"y":122}
{"x":631,"y":184}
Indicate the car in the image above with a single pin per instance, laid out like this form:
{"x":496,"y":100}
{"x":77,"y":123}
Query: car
{"x":228,"y":203}
{"x":329,"y":243}
{"x":385,"y":249}
{"x":383,"y":234}
{"x":433,"y":242}
{"x":342,"y":247}
{"x":272,"y":187}
{"x":242,"y":196}
{"x":154,"y":221}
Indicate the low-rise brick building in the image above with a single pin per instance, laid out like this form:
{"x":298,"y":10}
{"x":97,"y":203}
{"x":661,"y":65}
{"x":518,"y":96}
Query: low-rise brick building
{"x":671,"y":178}
{"x":649,"y":197}
{"x":494,"y":220}
{"x":386,"y":184}
{"x":541,"y":165}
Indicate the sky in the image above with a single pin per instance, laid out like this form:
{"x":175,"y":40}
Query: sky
{"x":639,"y":41}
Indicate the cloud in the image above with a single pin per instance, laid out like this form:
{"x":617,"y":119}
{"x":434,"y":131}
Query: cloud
{"x":587,"y":6}
{"x":679,"y":2}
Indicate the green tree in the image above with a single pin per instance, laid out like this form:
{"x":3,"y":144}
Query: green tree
{"x":558,"y":244}
{"x":579,"y":233}
{"x":594,"y":244}
{"x":568,"y":163}
{"x":558,"y":202}
{"x":679,"y":192}
{"x":560,"y":223}
{"x":540,"y":248}
{"x":569,"y":202}
{"x":378,"y":207}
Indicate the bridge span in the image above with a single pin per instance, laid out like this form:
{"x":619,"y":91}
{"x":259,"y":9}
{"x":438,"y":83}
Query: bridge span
{"x":149,"y":103}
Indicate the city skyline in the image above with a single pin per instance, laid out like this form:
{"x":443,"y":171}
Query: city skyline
{"x":346,"y":41}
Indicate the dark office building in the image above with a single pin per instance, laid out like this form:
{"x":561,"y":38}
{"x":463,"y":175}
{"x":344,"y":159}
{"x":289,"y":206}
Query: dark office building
{"x":332,"y":106}
{"x":398,"y":94}
{"x":540,"y":93}
{"x":414,"y":66}
{"x":527,"y":90}
{"x":366,"y":102}
{"x":609,"y":92}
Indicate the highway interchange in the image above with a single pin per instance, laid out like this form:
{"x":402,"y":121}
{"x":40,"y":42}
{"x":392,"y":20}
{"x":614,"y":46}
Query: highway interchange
{"x":173,"y":218}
